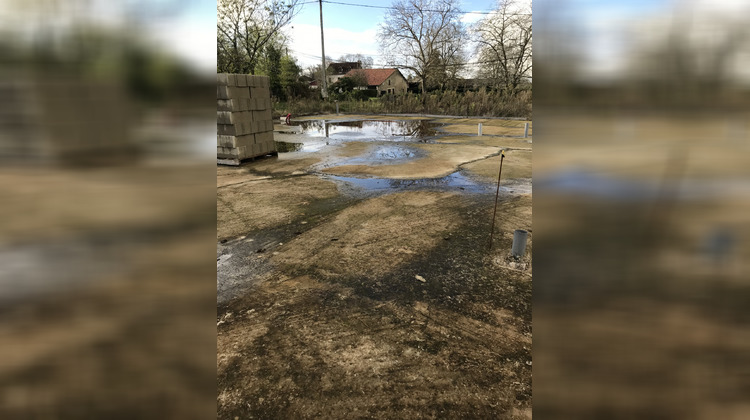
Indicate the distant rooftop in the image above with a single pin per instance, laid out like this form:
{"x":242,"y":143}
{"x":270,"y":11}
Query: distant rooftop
{"x":374,"y":76}
{"x":343,"y":68}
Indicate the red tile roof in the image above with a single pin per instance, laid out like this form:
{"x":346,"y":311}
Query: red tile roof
{"x":374,"y":76}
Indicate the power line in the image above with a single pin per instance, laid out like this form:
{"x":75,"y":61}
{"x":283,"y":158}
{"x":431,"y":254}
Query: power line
{"x":470,"y":63}
{"x":477,"y":12}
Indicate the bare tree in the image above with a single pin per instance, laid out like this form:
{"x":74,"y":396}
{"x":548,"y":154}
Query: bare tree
{"x":422,"y":36}
{"x":359,"y":79}
{"x":244,"y":27}
{"x":315,"y":71}
{"x":504,"y":39}
{"x":366,"y":60}
{"x":450,"y":59}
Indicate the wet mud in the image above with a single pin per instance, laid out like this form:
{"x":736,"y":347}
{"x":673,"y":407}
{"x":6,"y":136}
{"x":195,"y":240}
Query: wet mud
{"x":357,"y":295}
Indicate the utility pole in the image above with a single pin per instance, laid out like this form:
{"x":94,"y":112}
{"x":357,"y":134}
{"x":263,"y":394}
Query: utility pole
{"x":324,"y":92}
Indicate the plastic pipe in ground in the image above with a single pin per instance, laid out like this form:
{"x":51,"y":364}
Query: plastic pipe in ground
{"x":519,"y":243}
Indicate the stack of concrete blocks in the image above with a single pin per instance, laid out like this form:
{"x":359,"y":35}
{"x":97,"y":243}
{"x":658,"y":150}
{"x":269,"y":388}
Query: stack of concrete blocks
{"x":243,"y":115}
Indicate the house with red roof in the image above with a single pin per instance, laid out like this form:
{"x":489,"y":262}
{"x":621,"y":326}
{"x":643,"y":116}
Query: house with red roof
{"x":383,"y":80}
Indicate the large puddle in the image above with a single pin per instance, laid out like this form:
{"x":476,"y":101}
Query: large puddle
{"x":456,"y":181}
{"x":390,"y":142}
{"x":385,"y":154}
{"x":371,"y":130}
{"x":314,"y":135}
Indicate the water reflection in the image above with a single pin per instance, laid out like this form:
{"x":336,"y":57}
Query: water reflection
{"x":400,"y":130}
{"x":454,"y":181}
{"x":285,"y":147}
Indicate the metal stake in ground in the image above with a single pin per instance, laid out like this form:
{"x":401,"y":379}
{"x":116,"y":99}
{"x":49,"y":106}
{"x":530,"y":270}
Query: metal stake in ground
{"x":497,"y":194}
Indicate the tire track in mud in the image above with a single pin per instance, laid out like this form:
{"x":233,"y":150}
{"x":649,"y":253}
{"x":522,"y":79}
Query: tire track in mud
{"x":445,"y":344}
{"x":297,"y":372}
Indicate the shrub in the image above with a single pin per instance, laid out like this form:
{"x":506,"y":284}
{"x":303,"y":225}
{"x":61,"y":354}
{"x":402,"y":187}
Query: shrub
{"x":482,"y":103}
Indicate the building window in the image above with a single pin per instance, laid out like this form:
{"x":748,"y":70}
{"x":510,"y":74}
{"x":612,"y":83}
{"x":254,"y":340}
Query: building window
{"x":389,"y":82}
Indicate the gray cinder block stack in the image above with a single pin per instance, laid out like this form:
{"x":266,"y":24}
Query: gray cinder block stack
{"x":244,"y":123}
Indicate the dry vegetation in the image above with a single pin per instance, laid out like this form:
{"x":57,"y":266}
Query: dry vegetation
{"x":478,"y":104}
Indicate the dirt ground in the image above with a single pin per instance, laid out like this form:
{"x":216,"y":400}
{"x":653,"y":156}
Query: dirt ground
{"x":338,"y":301}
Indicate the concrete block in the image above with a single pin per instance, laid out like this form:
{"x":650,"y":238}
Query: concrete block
{"x":264,"y":137}
{"x":247,"y":127}
{"x":226,"y":141}
{"x":260,"y":92}
{"x":228,"y":105}
{"x":247,"y":116}
{"x":223,"y":117}
{"x":224,"y":152}
{"x":260,"y":104}
{"x":262,"y":115}
{"x":227,"y":117}
{"x":237,"y":129}
{"x":222,"y":79}
{"x":264,"y":103}
{"x":237,"y":92}
{"x":230,"y":162}
{"x":226,"y":129}
{"x":222,"y":92}
{"x":231,"y":80}
{"x":260,"y":126}
{"x":245,"y":140}
{"x":241,"y":79}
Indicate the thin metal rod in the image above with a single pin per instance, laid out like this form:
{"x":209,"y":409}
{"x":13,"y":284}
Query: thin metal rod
{"x":497,"y":194}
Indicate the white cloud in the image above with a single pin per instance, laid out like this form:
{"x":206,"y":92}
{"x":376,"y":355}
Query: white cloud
{"x":305,"y":43}
{"x":472,"y":18}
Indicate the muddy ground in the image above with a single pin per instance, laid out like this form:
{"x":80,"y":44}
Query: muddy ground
{"x":355,"y":280}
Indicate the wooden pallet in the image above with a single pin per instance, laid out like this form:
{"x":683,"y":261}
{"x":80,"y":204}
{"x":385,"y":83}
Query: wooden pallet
{"x":238,"y":162}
